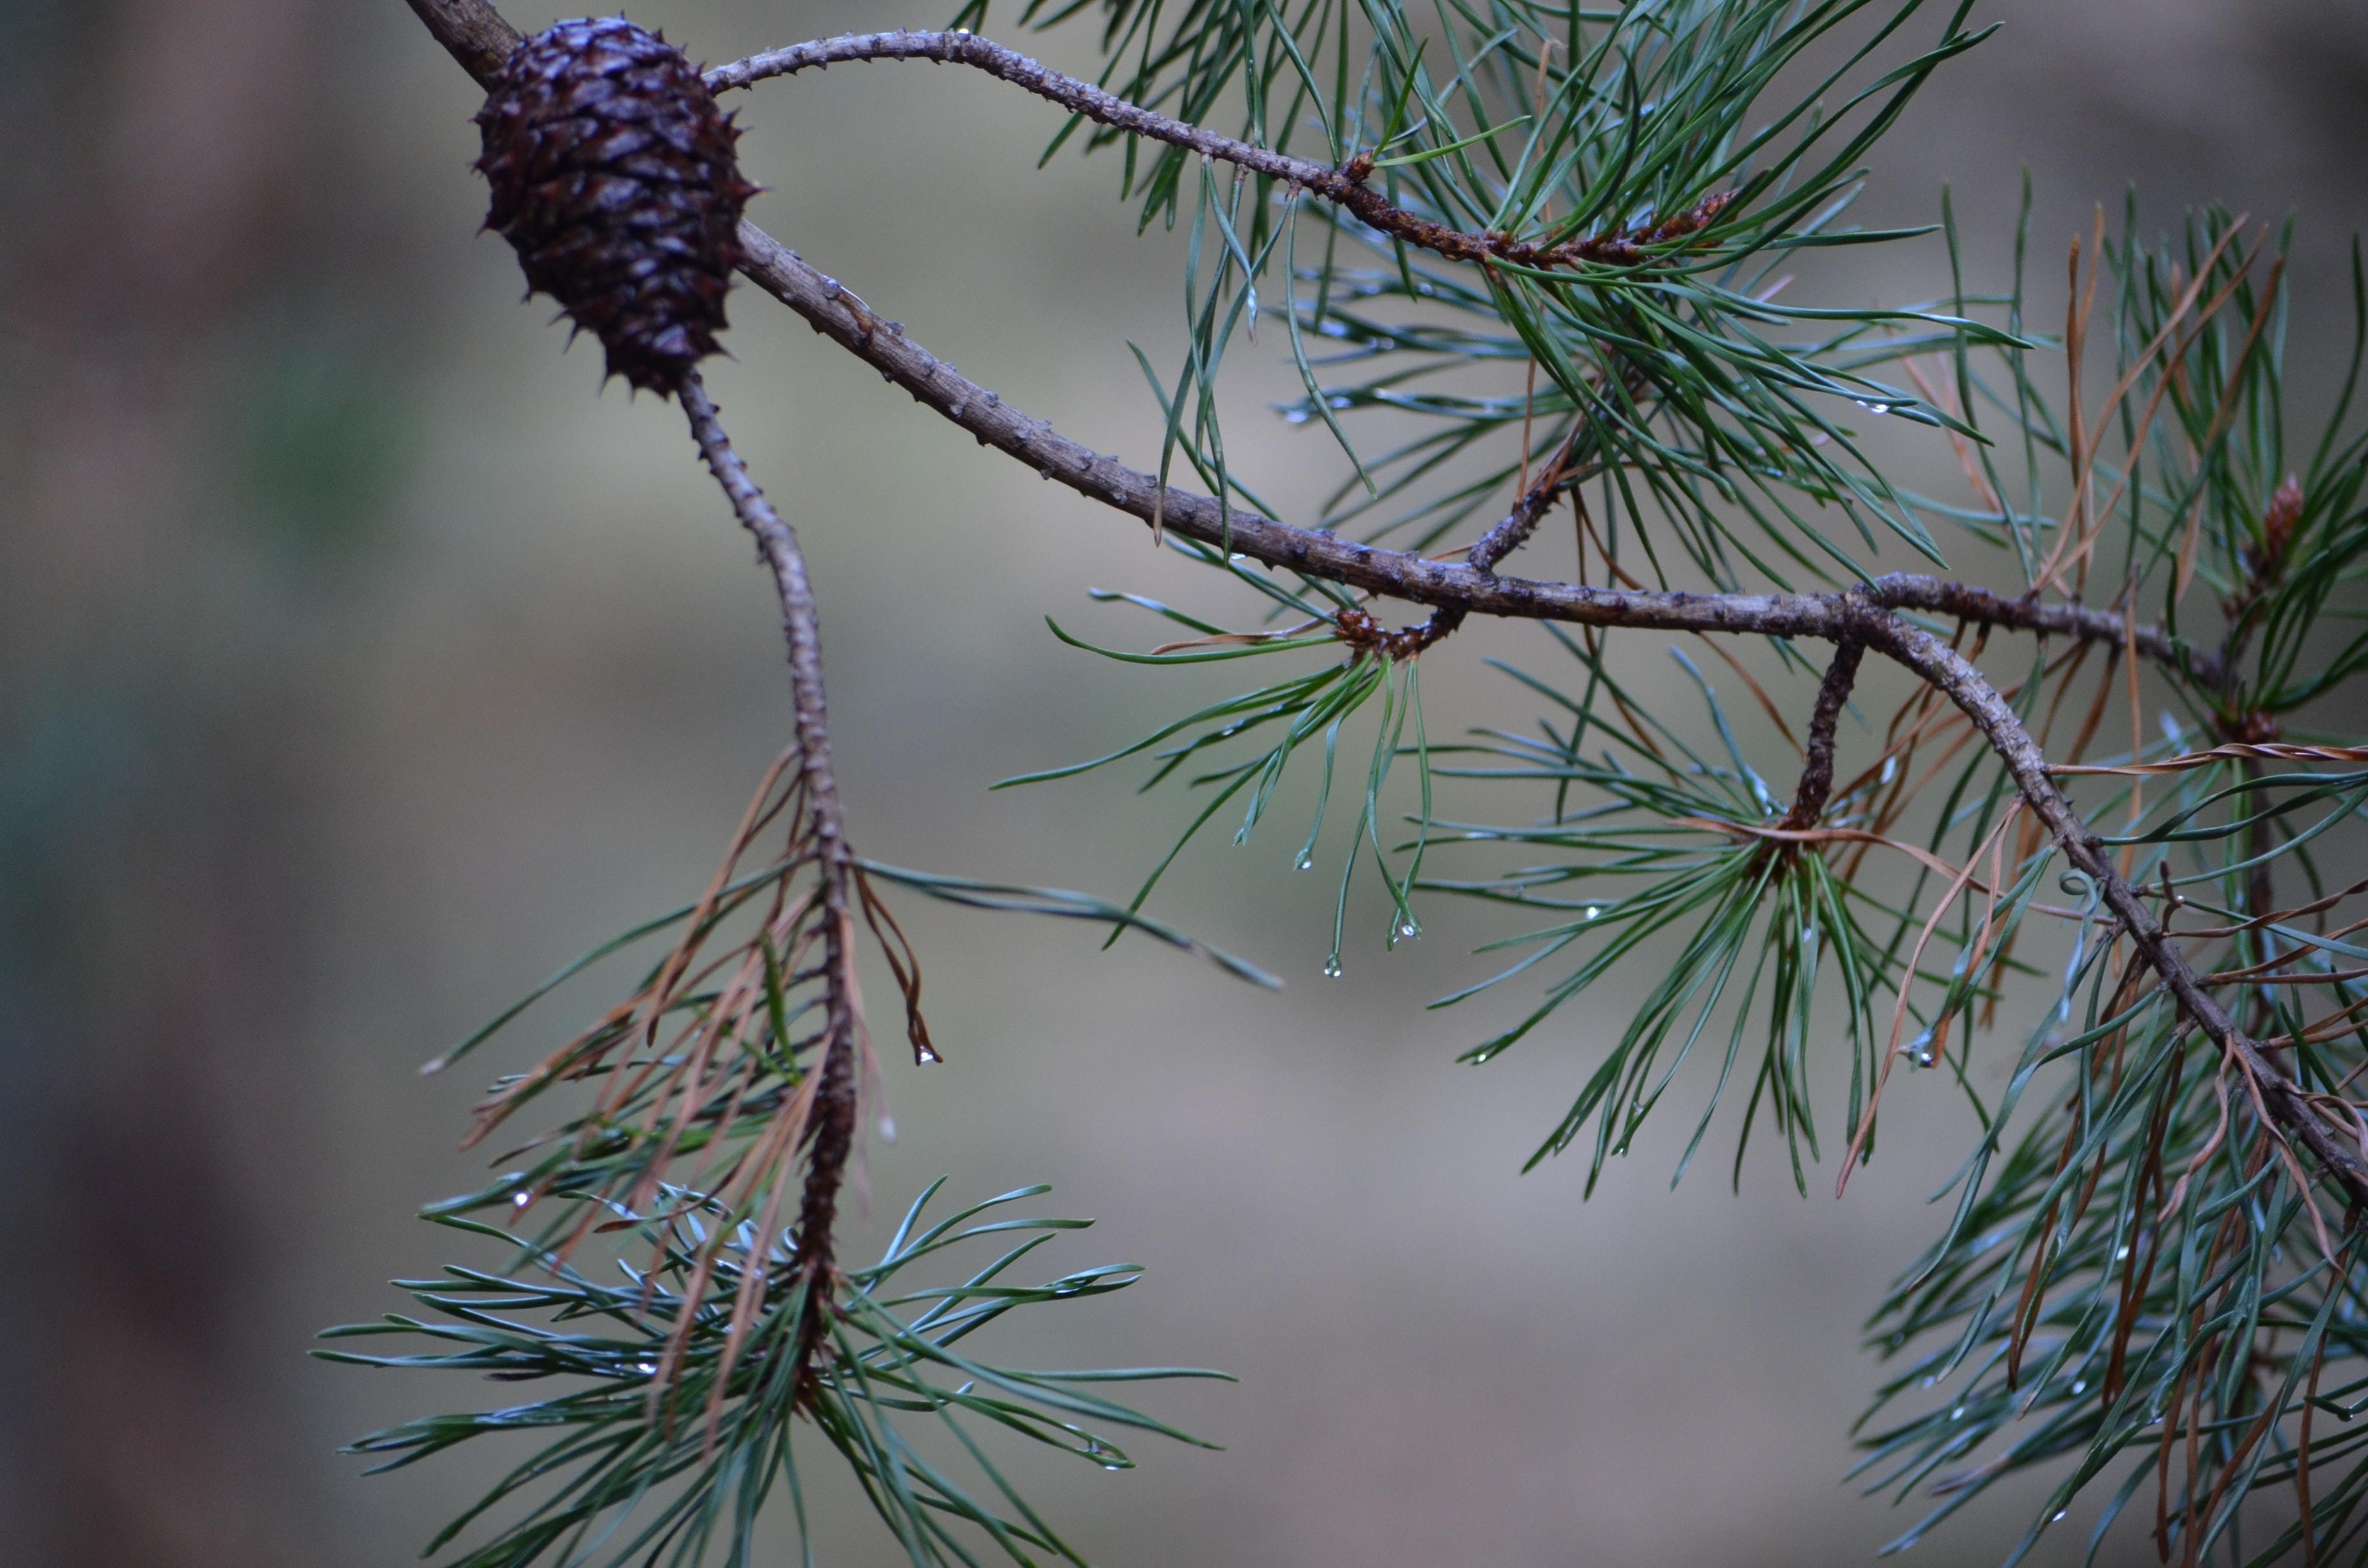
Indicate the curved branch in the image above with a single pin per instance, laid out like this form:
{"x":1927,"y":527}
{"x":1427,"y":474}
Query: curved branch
{"x":2276,"y":1095}
{"x":839,"y":314}
{"x":834,"y":1115}
{"x":1345,"y":186}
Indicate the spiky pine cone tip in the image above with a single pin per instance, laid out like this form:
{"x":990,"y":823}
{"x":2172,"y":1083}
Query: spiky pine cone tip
{"x":615,"y":179}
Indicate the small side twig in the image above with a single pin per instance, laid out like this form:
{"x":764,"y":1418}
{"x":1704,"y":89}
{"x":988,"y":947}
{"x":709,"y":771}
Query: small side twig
{"x":1817,"y":767}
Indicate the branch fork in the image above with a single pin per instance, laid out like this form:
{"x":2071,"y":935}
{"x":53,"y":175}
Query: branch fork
{"x":1867,"y":617}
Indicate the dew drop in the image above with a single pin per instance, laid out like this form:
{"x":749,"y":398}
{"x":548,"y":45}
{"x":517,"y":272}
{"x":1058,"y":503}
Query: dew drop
{"x":1294,"y":417}
{"x":1593,"y":912}
{"x":1958,"y":1413}
{"x":2080,"y":1387}
{"x":1407,"y":929}
{"x":887,"y":1128}
{"x":1114,"y":1466}
{"x":924,"y":1056}
{"x":2057,"y":1516}
{"x":1307,"y":862}
{"x":521,"y":1199}
{"x":646,"y":1367}
{"x":1877,"y":407}
{"x":1332,"y":969}
{"x":1890,"y":770}
{"x":2121,"y":1252}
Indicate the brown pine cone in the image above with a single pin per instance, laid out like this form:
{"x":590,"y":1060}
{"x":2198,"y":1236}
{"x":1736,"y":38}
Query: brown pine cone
{"x":614,"y":176}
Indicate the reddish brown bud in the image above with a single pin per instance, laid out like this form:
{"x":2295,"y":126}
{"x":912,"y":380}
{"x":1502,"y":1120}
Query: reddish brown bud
{"x":2278,"y":523}
{"x":614,"y":178}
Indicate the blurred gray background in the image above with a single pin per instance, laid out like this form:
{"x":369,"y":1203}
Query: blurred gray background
{"x":360,"y":662}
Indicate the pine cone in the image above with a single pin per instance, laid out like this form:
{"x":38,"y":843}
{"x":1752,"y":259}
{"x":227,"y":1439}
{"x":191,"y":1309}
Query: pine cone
{"x":614,"y":178}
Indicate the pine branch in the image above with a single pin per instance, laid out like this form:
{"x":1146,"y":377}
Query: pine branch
{"x":1662,"y":380}
{"x":839,"y":314}
{"x":1346,"y":186}
{"x":832,"y":1130}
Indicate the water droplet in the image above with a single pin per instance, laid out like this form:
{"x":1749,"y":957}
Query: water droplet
{"x":2057,"y":1516}
{"x":2080,"y":1387}
{"x":2121,"y":1252}
{"x":887,"y":1128}
{"x":1407,"y":929}
{"x":646,"y":1367}
{"x":521,"y":1199}
{"x":1890,"y":770}
{"x":924,"y":1056}
{"x":1877,"y":407}
{"x":1593,"y":912}
{"x":1332,"y":968}
{"x":1294,"y":417}
{"x":1113,"y":1465}
{"x":1306,"y":863}
{"x":1958,"y":1413}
